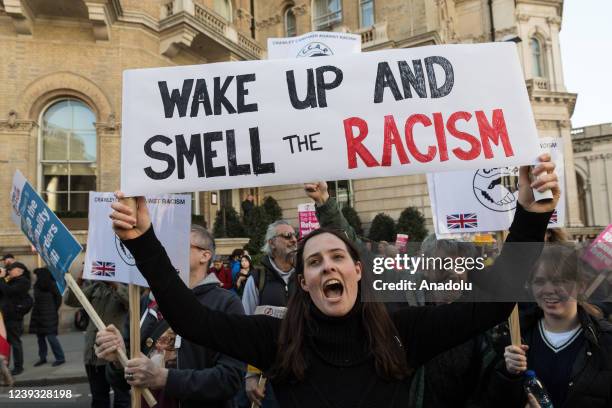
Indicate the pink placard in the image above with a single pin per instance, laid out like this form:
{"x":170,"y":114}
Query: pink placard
{"x":599,"y":253}
{"x":307,"y":217}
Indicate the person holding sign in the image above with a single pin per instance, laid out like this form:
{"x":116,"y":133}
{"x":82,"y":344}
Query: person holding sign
{"x":179,"y":372}
{"x":567,"y":344}
{"x":331,"y":349}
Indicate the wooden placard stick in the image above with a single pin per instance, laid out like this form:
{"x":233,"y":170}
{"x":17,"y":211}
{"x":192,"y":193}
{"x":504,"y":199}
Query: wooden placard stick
{"x":134,"y":296}
{"x":595,"y":284}
{"x":95,"y":318}
{"x":515,"y":326}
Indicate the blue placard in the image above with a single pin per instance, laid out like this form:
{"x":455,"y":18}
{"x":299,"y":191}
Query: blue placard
{"x":53,"y":241}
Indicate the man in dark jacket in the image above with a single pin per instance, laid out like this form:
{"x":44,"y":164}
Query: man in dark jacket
{"x":176,"y":369}
{"x":16,"y":306}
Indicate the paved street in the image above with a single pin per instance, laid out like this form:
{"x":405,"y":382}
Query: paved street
{"x":79,"y":396}
{"x":69,"y":378}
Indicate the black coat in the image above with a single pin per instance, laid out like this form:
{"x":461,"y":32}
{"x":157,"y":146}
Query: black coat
{"x":47,"y":301}
{"x":204,"y":378}
{"x":591,"y":382}
{"x":15,"y":290}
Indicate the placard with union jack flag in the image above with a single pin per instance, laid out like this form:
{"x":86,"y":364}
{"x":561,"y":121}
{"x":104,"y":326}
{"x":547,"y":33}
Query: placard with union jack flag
{"x":462,"y":221}
{"x":101,"y":268}
{"x":487,"y":196}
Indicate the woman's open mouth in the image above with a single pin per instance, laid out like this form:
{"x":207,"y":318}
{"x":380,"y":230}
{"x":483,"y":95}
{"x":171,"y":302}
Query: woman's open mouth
{"x":333,"y":289}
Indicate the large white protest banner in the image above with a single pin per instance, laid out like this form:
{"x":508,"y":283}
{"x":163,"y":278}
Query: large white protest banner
{"x":314,"y":44}
{"x":257,"y":123}
{"x":108,"y":259}
{"x":485,"y":199}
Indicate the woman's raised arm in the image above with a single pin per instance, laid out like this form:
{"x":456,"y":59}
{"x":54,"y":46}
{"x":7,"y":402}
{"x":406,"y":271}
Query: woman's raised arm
{"x":251,"y":339}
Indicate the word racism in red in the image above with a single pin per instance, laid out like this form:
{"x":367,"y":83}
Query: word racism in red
{"x":494,"y":132}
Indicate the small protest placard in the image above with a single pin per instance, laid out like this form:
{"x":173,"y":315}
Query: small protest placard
{"x":484,"y":200}
{"x":307,"y":217}
{"x":109,"y":260}
{"x":314,"y":44}
{"x":52,"y":240}
{"x":599,"y":252}
{"x":257,"y":123}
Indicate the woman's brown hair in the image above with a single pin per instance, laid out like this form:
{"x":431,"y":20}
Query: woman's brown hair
{"x":382,"y":336}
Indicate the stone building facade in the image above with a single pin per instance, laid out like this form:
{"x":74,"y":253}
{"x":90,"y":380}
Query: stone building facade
{"x":593,"y":163}
{"x":61,"y":81}
{"x":533,"y":24}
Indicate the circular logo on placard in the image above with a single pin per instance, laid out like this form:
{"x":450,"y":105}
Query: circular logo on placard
{"x":315,"y":49}
{"x":497,"y":188}
{"x":123,"y":252}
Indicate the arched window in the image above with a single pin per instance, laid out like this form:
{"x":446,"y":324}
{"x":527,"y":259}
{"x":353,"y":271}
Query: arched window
{"x":366,"y":13}
{"x":290,"y":27}
{"x":224,"y":9}
{"x":68,"y":156}
{"x":537,"y":63}
{"x":326,"y":13}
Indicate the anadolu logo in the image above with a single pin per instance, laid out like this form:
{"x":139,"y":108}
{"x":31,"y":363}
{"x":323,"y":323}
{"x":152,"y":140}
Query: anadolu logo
{"x":315,"y":49}
{"x":497,"y":188}
{"x":123,"y":252}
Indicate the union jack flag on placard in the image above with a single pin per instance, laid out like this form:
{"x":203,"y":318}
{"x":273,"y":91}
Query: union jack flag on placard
{"x":99,"y":268}
{"x":462,"y":221}
{"x":553,"y":218}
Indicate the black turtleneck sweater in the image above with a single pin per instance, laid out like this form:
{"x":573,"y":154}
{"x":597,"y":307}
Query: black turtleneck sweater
{"x":340,"y":367}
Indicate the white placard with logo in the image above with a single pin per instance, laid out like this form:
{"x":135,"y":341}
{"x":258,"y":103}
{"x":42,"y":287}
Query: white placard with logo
{"x":484,"y":200}
{"x":314,"y":44}
{"x":109,"y":260}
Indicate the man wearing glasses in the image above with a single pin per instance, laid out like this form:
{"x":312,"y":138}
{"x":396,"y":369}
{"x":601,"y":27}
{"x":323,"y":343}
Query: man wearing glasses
{"x":177,"y":370}
{"x":270,"y":285}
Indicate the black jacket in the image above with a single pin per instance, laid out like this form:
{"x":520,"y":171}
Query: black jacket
{"x":591,"y":383}
{"x":15,"y":290}
{"x":47,"y":301}
{"x":423,"y":332}
{"x":203,"y":378}
{"x":275,"y":291}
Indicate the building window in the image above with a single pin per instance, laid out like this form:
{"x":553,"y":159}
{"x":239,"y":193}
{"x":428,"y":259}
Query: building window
{"x":326,"y":13}
{"x":366,"y":13}
{"x":342,"y":191}
{"x":224,"y":9}
{"x":536,"y":58}
{"x":68,"y":155}
{"x":290,"y":27}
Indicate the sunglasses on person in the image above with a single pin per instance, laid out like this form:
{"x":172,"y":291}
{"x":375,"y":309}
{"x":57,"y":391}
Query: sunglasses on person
{"x":288,"y":235}
{"x":199,"y":247}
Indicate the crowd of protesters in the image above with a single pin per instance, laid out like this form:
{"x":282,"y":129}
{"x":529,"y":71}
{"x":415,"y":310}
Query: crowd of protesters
{"x":215,"y":342}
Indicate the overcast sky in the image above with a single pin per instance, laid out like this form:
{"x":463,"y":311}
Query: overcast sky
{"x":586,"y":50}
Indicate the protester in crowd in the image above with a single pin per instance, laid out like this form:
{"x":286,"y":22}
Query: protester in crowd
{"x":18,"y":303}
{"x":223,"y":273}
{"x":245,"y":271}
{"x":247,"y":205}
{"x":330,"y":348}
{"x":179,"y":372}
{"x":7,"y":260}
{"x":234,"y":265}
{"x":44,"y":319}
{"x":566,"y":342}
{"x":270,"y":285}
{"x":456,"y":377}
{"x":110,"y":300}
